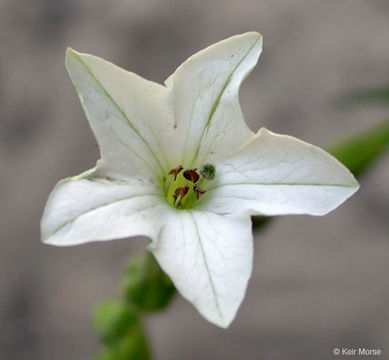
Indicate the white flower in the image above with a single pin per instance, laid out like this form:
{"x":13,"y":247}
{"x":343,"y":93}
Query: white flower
{"x":179,"y":165}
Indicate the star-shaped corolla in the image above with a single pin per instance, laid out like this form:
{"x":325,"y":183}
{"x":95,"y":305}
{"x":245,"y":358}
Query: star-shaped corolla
{"x":179,"y":166}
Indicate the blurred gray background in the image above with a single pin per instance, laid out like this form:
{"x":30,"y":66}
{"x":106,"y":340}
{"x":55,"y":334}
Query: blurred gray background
{"x":318,"y":283}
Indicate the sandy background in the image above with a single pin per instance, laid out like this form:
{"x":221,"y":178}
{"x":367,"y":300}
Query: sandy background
{"x":318,"y":283}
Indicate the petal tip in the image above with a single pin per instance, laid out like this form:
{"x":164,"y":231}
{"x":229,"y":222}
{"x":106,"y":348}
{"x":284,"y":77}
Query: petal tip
{"x":254,"y":34}
{"x":225,"y":323}
{"x":253,"y":37}
{"x":222,"y":321}
{"x":70,"y":56}
{"x":70,"y":51}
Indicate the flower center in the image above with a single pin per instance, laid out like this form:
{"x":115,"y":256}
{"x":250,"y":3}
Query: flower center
{"x":185,"y":186}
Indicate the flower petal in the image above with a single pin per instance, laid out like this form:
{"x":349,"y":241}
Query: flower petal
{"x":126,"y":113}
{"x":92,"y":208}
{"x":209,"y":259}
{"x":278,"y":174}
{"x":207,"y":115}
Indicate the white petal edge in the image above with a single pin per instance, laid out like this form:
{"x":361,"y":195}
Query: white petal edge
{"x":278,"y":175}
{"x":207,"y":114}
{"x":209,"y":259}
{"x":90,"y":208}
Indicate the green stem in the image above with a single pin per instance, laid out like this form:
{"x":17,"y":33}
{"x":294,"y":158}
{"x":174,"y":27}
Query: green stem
{"x":119,"y":323}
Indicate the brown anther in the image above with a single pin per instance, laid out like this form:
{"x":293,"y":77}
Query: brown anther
{"x":191,"y":175}
{"x":179,"y":193}
{"x":198,"y":191}
{"x":175,"y":171}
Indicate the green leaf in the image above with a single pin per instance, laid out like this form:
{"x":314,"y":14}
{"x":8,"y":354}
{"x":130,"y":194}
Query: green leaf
{"x":146,"y":286}
{"x":360,"y":152}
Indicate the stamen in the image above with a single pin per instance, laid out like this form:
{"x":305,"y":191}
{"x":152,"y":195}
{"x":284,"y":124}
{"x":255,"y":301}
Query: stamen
{"x":179,"y":193}
{"x":176,"y":171}
{"x":198,"y":191}
{"x":191,"y":175}
{"x":186,"y":186}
